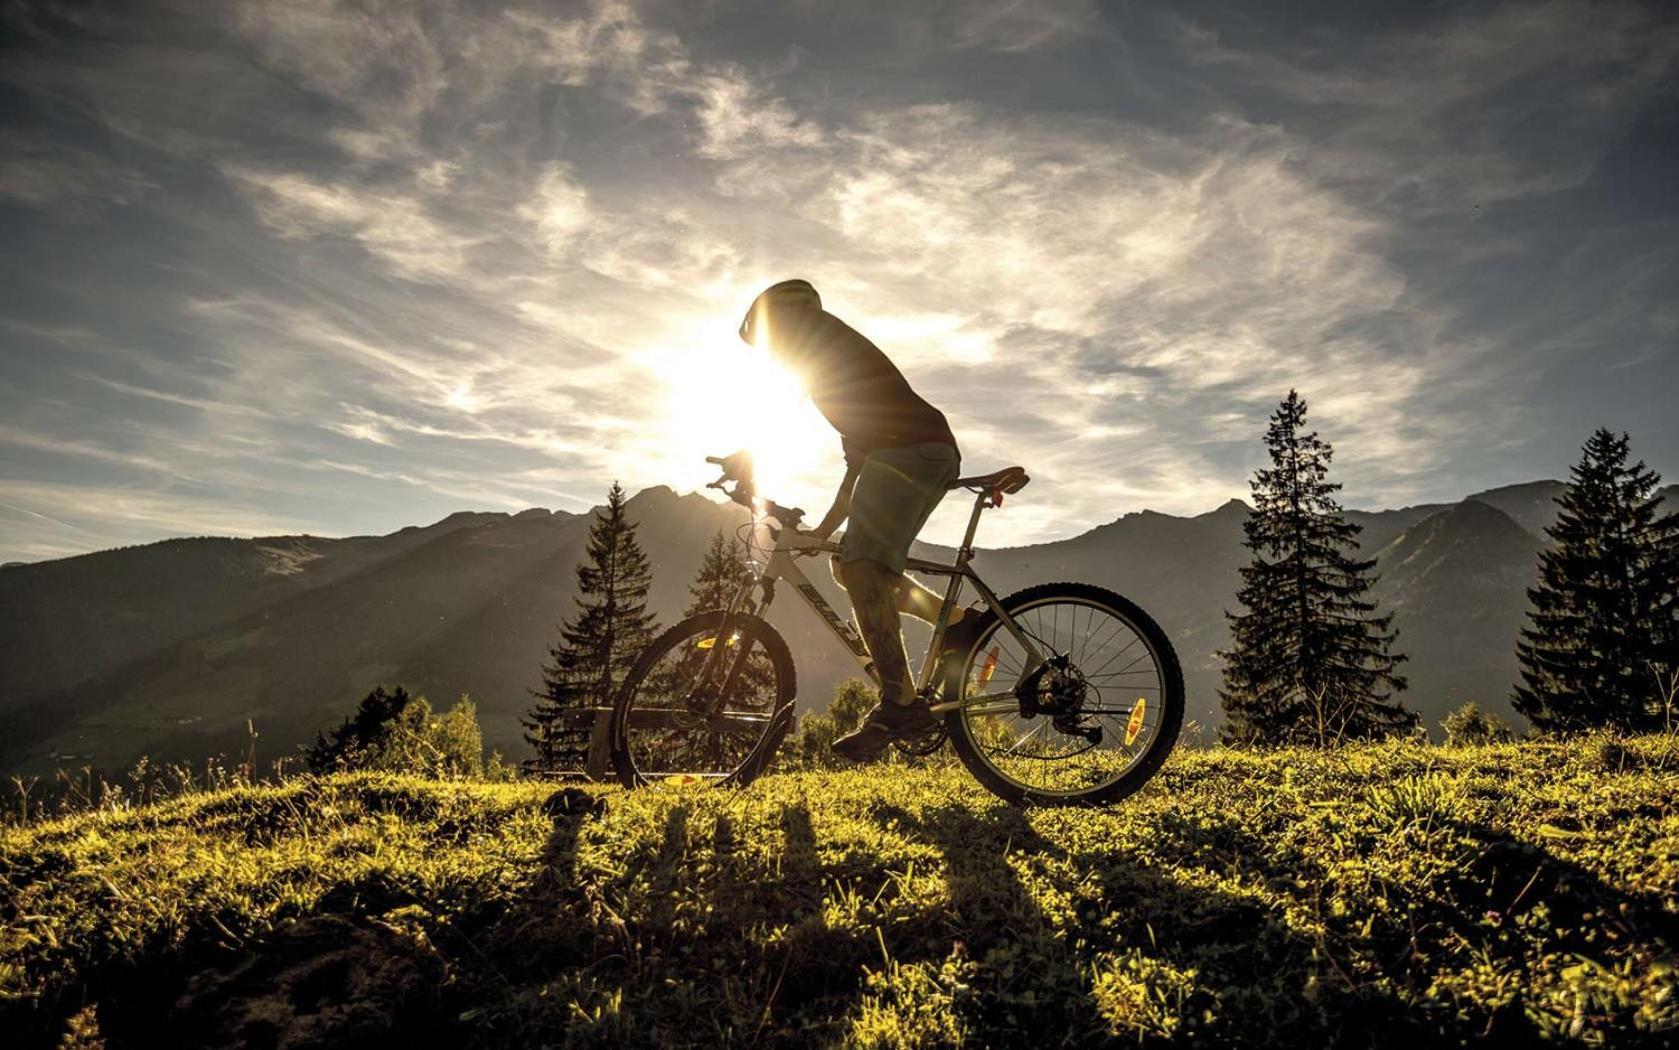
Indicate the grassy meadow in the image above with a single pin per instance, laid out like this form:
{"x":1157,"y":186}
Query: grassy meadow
{"x":1384,"y":895}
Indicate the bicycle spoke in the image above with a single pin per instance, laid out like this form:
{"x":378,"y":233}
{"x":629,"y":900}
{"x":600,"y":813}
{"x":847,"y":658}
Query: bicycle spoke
{"x":1024,"y":739}
{"x":1097,"y":661}
{"x":1109,"y":661}
{"x":701,"y":717}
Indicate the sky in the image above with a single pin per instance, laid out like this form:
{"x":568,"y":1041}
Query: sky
{"x":341,"y":268}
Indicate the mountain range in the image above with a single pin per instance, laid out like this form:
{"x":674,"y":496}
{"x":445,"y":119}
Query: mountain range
{"x":172,"y":648}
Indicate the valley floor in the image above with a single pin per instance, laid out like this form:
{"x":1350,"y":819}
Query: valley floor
{"x":1382,"y":895}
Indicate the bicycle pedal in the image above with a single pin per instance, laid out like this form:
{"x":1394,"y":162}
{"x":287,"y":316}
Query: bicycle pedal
{"x":923,"y":745}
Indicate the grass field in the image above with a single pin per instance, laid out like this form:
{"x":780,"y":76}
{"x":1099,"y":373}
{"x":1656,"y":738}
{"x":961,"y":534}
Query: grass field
{"x":1392,"y":895}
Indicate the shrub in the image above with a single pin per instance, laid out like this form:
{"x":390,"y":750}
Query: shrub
{"x":1469,"y":726}
{"x":497,"y":770}
{"x":814,"y":746}
{"x":360,"y":734}
{"x":446,"y":746}
{"x":401,"y":733}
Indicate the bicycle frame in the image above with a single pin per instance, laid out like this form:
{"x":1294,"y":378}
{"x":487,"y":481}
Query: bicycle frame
{"x":790,"y":544}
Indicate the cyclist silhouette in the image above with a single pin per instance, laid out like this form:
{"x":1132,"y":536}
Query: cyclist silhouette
{"x":900,"y":457}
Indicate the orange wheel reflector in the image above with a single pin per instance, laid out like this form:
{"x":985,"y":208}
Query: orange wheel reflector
{"x":989,"y":668}
{"x":1135,"y":726}
{"x":682,"y":780}
{"x":707,"y":643}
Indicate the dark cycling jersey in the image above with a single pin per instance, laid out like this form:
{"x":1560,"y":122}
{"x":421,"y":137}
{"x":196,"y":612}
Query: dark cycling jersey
{"x":856,"y":387}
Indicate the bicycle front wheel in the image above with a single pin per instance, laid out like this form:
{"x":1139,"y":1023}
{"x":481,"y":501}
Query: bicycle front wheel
{"x":1090,"y":725}
{"x":708,"y":702}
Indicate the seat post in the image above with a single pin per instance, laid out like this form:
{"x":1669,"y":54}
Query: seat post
{"x":966,"y":551}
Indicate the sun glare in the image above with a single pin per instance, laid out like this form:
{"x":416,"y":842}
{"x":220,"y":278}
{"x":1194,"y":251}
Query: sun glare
{"x":461,"y":397}
{"x":722,"y":395}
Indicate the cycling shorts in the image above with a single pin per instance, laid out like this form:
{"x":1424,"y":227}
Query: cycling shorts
{"x":895,"y":494}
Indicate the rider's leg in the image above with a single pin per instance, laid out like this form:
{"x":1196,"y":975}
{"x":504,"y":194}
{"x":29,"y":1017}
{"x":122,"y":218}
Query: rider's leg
{"x":895,"y":492}
{"x":909,"y":596}
{"x":872,"y":586}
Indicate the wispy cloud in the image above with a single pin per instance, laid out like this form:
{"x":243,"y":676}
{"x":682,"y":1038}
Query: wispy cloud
{"x":120,"y":515}
{"x":1462,"y":100}
{"x":76,"y":184}
{"x":439,"y":255}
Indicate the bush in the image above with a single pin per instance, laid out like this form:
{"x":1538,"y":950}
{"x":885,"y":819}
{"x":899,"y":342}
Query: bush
{"x":814,"y":746}
{"x":1469,"y":726}
{"x":401,"y":733}
{"x":444,"y":746}
{"x":497,"y":770}
{"x":360,"y":734}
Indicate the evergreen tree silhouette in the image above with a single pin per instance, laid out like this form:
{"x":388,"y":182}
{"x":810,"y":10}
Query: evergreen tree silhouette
{"x":753,"y":680}
{"x":360,"y":735}
{"x":1602,"y":635}
{"x":597,"y":646}
{"x":1310,"y":661}
{"x":725,"y":568}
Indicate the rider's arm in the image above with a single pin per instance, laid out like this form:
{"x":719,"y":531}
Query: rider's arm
{"x":842,"y":502}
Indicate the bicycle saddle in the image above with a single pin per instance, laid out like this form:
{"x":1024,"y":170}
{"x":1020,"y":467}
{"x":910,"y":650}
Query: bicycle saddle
{"x":1008,"y":481}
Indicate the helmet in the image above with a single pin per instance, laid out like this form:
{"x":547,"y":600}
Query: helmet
{"x":784,"y":293}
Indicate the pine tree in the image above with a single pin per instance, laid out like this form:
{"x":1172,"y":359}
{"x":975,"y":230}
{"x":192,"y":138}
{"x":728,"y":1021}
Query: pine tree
{"x":725,"y":568}
{"x":721,"y":573}
{"x":1602,"y":634}
{"x":1310,"y":660}
{"x":360,"y":736}
{"x":597,"y":646}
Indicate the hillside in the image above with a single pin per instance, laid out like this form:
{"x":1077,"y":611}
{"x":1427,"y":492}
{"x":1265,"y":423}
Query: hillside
{"x":1453,"y":581}
{"x":169,"y":649}
{"x":469,"y":609}
{"x":1387,"y":895}
{"x":72,"y":619}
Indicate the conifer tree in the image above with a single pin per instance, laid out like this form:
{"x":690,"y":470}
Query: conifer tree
{"x":725,"y":568}
{"x":720,"y":575}
{"x":361,"y":735}
{"x":1309,"y":661}
{"x":597,"y":646}
{"x":1602,"y":631}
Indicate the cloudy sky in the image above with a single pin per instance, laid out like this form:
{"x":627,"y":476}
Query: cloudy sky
{"x":339,"y":268}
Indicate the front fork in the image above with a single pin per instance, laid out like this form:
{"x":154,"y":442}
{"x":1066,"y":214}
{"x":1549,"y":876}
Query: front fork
{"x":713,"y":705}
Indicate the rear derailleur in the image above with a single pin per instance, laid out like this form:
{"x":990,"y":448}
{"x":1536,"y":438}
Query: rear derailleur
{"x":1058,"y":689}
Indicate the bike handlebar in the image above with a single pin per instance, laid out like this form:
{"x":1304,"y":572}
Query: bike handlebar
{"x":737,"y":467}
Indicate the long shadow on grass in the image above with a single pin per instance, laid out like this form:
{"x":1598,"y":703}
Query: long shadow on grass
{"x":1107,"y":943}
{"x":1047,"y":936}
{"x":372,"y":961}
{"x":1257,"y":979}
{"x":682,"y":942}
{"x":1489,"y":909}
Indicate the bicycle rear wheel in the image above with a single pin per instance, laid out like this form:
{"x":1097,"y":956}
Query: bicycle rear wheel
{"x":1089,"y":728}
{"x":709,"y":702}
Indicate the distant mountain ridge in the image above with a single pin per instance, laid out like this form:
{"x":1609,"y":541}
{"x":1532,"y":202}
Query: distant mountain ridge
{"x":71,"y":619}
{"x":167,"y":649}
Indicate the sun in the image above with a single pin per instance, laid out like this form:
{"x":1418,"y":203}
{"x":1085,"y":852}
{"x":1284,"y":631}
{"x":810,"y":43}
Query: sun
{"x":722,"y":395}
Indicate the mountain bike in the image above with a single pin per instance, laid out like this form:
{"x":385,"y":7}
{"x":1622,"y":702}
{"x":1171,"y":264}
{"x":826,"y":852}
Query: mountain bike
{"x":1058,"y":694}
